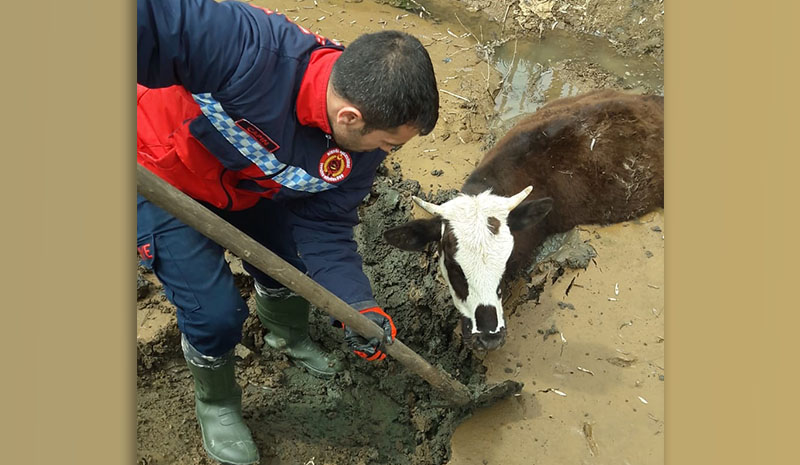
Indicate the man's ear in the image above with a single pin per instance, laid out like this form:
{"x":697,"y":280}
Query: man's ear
{"x":348,"y":115}
{"x":529,"y":212}
{"x":414,"y":235}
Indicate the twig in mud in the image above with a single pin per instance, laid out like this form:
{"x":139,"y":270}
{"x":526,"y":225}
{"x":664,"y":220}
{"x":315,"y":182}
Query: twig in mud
{"x":570,"y":285}
{"x":146,"y":316}
{"x":421,"y":8}
{"x":511,"y":65}
{"x":560,"y":393}
{"x":436,"y":39}
{"x":585,"y":370}
{"x":505,"y":16}
{"x":459,"y":51}
{"x":587,"y":433}
{"x":622,"y":362}
{"x":455,"y":95}
{"x":656,"y":312}
{"x":465,"y":28}
{"x":656,"y":365}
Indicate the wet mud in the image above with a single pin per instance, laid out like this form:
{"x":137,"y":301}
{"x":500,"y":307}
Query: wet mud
{"x":371,"y":413}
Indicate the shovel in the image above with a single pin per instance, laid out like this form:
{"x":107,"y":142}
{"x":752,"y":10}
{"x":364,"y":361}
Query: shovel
{"x":190,"y":212}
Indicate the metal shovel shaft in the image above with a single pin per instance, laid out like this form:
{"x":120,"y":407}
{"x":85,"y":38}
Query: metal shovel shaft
{"x":220,"y":231}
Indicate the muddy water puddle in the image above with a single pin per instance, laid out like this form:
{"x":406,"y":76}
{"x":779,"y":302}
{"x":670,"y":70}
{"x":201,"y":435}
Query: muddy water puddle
{"x":537,"y":70}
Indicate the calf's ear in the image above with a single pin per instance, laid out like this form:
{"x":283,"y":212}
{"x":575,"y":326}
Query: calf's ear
{"x":529,"y":212}
{"x":414,"y":235}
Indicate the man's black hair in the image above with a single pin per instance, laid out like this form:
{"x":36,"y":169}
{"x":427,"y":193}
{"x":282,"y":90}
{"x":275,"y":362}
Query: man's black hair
{"x":388,"y":75}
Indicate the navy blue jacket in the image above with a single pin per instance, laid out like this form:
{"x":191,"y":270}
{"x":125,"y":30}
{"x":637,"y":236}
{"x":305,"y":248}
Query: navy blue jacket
{"x":243,"y":67}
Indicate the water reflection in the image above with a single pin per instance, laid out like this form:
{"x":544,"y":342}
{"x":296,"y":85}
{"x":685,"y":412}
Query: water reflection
{"x":533,"y":76}
{"x":533,"y":67}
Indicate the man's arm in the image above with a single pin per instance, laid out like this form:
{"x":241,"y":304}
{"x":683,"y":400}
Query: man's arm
{"x":323,"y":231}
{"x":199,"y":44}
{"x":324,"y":237}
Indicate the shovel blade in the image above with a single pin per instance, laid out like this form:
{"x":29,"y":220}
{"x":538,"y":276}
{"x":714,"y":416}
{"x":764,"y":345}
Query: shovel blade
{"x":495,"y":392}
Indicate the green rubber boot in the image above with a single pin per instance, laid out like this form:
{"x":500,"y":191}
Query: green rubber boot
{"x":285,"y":315}
{"x":218,"y":405}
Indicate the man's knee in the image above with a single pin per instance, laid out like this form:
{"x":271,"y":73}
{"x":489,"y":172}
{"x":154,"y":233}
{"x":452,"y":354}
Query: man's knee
{"x":215,"y":328}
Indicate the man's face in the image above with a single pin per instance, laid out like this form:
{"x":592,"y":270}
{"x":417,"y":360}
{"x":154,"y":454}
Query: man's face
{"x":351,"y":138}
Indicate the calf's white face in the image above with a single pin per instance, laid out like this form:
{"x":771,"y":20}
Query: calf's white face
{"x":475,"y":242}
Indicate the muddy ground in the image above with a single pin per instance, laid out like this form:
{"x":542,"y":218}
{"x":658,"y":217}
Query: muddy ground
{"x":588,"y":343}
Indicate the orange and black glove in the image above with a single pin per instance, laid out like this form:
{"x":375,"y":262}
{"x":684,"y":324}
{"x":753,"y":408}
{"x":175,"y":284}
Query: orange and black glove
{"x":371,"y":349}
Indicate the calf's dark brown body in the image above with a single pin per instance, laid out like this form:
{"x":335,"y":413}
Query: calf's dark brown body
{"x":599,"y":156}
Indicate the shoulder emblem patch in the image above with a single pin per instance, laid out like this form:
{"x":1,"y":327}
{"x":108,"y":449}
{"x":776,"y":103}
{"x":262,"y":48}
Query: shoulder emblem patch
{"x":335,"y":165}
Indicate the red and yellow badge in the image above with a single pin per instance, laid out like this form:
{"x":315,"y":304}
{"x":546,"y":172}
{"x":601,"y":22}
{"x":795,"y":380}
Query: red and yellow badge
{"x":335,"y":165}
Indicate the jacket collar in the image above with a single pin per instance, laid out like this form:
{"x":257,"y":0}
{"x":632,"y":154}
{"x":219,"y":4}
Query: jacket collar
{"x":312,"y":108}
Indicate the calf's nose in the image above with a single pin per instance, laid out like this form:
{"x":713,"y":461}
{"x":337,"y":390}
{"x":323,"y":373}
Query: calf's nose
{"x":490,"y":341}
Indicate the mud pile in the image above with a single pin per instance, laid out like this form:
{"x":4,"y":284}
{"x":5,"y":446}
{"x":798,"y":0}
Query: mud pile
{"x":372,"y":413}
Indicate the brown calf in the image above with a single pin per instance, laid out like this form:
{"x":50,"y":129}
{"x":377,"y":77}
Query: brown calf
{"x":594,"y":158}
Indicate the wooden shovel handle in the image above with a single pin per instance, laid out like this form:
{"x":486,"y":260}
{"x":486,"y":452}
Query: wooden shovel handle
{"x":190,"y":212}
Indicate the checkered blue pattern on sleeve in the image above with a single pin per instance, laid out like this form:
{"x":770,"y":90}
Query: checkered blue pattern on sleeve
{"x":244,"y":143}
{"x":292,"y":177}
